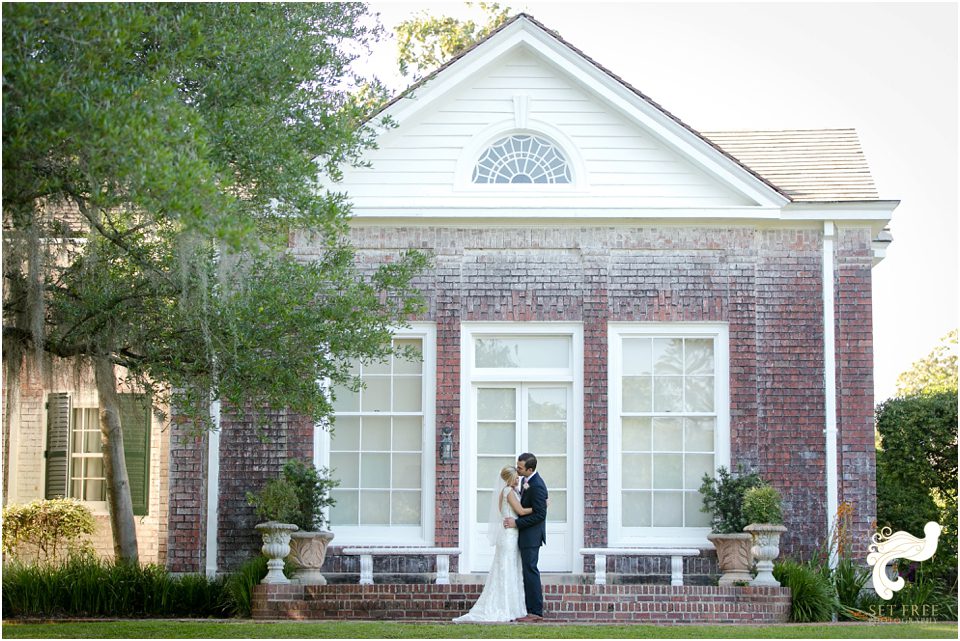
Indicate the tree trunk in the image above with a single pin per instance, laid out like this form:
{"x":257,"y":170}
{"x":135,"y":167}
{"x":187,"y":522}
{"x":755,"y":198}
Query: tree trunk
{"x":114,"y":464}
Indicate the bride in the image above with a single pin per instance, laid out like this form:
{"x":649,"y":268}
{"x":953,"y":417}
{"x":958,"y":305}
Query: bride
{"x":502,"y":596}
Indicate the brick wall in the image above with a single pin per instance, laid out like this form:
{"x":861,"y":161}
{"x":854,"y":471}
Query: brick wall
{"x":562,"y":603}
{"x":764,"y":283}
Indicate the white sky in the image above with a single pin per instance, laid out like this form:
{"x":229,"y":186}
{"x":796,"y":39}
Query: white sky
{"x":890,"y":70}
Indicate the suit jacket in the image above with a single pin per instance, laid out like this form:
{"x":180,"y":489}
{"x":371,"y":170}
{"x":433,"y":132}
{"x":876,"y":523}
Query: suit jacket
{"x":533,"y":526}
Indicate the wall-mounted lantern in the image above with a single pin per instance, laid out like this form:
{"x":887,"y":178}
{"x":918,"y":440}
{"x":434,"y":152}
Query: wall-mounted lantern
{"x":446,"y":445}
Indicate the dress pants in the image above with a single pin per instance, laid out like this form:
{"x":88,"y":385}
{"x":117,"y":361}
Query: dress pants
{"x":533,"y":593}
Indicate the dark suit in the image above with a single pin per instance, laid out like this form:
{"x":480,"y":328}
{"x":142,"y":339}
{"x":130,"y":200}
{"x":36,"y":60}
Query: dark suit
{"x":532,"y":534}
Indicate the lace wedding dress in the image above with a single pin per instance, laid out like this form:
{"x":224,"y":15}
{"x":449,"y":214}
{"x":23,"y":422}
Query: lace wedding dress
{"x":502,"y":596}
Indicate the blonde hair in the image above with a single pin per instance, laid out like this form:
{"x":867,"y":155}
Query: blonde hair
{"x":509,"y":474}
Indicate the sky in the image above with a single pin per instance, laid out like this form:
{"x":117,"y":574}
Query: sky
{"x":889,"y":70}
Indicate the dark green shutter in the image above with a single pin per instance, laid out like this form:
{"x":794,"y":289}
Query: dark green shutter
{"x":135,"y":420}
{"x":57,"y":453}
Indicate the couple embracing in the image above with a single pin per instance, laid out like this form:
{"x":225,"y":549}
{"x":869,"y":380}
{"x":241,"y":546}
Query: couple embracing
{"x":517,"y":529}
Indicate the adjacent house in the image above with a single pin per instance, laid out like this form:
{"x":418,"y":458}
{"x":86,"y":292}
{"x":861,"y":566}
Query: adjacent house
{"x":636,"y":302}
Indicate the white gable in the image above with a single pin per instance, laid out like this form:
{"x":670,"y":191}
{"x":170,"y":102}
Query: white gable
{"x":626,"y":156}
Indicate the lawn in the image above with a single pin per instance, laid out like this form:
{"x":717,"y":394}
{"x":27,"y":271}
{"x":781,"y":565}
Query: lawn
{"x":190,"y":629}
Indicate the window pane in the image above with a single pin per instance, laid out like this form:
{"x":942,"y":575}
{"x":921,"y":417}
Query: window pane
{"x":636,"y":509}
{"x":667,"y":356}
{"x":547,"y":438}
{"x":347,"y":509}
{"x":407,"y":394}
{"x":376,"y":433}
{"x":636,"y":393}
{"x":637,"y":357}
{"x":346,"y":467}
{"x":547,"y":403}
{"x":344,"y":400}
{"x":668,"y":394}
{"x":667,"y":509}
{"x":557,"y":512}
{"x":406,"y":471}
{"x":406,"y":508}
{"x":549,"y":352}
{"x":699,"y":433}
{"x":668,"y":434}
{"x":95,"y":491}
{"x":78,"y":441}
{"x":407,"y":433}
{"x":553,"y":470}
{"x":667,"y":471}
{"x":636,"y":434}
{"x":376,"y":396}
{"x":698,"y":356}
{"x":496,"y":438}
{"x":637,"y":470}
{"x":94,"y":468}
{"x":374,"y":508}
{"x":496,"y":404}
{"x":695,"y":466}
{"x":699,"y":394}
{"x":404,"y":366}
{"x":375,"y":470}
{"x":693,"y":517}
{"x":346,"y":433}
{"x":377,"y":367}
{"x":483,"y":506}
{"x":488,"y":469}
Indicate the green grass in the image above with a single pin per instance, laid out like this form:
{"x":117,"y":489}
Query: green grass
{"x":183,"y":629}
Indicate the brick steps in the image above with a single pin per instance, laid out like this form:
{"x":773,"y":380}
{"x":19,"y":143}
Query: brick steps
{"x":563,"y":603}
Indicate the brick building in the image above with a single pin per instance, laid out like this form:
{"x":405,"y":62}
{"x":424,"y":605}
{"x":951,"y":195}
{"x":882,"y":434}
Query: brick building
{"x":635,"y":302}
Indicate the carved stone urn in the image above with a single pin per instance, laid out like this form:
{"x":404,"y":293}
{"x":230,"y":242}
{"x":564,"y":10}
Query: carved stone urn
{"x":276,"y":546}
{"x":307,"y":552}
{"x":766,"y":548}
{"x":733,"y":557}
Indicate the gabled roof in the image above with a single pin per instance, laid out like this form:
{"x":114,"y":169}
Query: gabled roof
{"x":814,"y":165}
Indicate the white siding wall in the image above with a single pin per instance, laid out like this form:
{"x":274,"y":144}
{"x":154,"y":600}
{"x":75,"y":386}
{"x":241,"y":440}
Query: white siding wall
{"x":617,"y":159}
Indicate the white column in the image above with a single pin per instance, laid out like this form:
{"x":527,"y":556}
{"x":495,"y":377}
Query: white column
{"x":600,"y":569}
{"x":366,"y":569}
{"x":443,"y":569}
{"x":676,"y":570}
{"x":830,"y":379}
{"x":213,"y":488}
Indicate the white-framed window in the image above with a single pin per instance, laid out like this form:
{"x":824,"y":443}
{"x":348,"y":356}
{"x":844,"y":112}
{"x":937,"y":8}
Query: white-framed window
{"x":88,"y":480}
{"x":381,"y":448}
{"x":522,"y":158}
{"x":669,"y":425}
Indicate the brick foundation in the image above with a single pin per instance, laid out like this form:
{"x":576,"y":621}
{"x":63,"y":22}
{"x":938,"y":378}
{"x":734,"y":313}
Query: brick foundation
{"x":562,"y":603}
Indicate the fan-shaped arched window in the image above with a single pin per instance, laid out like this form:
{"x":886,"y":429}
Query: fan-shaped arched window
{"x":522,"y":158}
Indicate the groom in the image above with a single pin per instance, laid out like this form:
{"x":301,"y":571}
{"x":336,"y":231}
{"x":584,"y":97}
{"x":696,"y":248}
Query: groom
{"x":533,"y":533}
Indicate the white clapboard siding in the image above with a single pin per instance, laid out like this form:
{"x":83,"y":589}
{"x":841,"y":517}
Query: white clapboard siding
{"x":619,"y":159}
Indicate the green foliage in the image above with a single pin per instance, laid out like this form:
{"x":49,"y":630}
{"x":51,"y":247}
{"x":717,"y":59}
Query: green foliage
{"x":87,"y":586}
{"x":723,"y":498}
{"x":313,"y":493}
{"x":925,"y":597}
{"x":426,"y":42}
{"x":849,"y":579}
{"x":917,"y":472}
{"x":238,"y":586}
{"x":276,"y":501}
{"x":762,"y":504}
{"x":937,"y":372}
{"x":812,"y":597}
{"x":47,"y":529}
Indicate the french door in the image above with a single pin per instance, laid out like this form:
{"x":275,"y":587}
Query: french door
{"x":514,"y":417}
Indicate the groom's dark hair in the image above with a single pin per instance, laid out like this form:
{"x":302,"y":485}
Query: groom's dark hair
{"x":529,"y":460}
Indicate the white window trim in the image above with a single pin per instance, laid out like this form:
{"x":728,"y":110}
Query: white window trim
{"x":616,"y":534}
{"x":470,"y":375}
{"x":400,"y":534}
{"x":463,"y":176}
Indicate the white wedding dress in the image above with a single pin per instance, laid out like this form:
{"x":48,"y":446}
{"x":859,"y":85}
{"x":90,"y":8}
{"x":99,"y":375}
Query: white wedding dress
{"x":502,"y":596}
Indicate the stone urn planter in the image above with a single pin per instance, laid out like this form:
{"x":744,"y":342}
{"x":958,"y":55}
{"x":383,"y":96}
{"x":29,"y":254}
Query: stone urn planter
{"x":308,"y":550}
{"x":766,"y":548}
{"x":276,"y":546}
{"x":733,"y":557}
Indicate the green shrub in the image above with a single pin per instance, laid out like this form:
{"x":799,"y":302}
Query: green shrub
{"x":313,"y":493}
{"x":238,"y":587}
{"x":848,"y":580}
{"x":47,"y":530}
{"x":812,"y":597}
{"x":761,"y":504}
{"x":86,"y":586}
{"x":276,"y":501}
{"x":723,"y":498}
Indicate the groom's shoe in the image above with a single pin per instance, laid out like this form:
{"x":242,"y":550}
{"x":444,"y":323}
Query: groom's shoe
{"x":530,"y":618}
